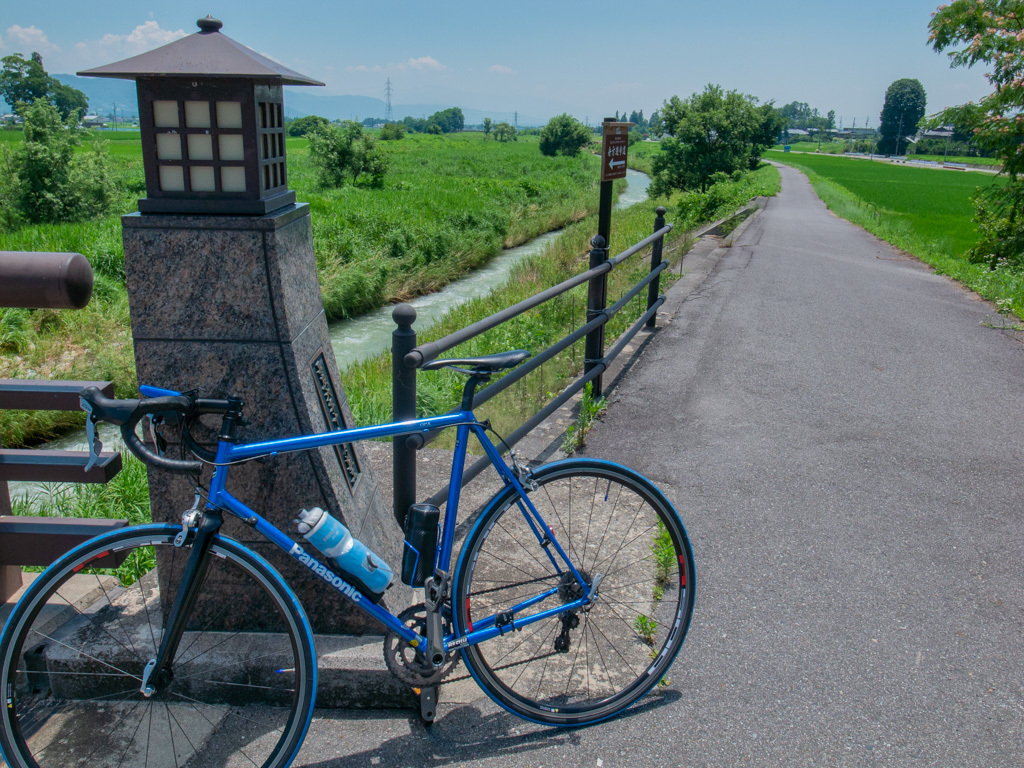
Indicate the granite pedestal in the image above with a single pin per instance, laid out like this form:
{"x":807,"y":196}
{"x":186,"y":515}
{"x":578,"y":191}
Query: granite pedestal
{"x":230,"y":305}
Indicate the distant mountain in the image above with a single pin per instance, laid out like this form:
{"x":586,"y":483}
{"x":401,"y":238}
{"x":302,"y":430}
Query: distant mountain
{"x":105,"y":93}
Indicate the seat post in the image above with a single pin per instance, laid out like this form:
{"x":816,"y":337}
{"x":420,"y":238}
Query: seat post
{"x":469,"y":390}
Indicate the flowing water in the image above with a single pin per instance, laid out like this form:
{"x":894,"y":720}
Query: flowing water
{"x":367,"y":335}
{"x":362,"y":337}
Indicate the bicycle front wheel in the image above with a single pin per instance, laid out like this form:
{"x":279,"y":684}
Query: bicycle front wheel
{"x":583,"y":665}
{"x":239,"y":691}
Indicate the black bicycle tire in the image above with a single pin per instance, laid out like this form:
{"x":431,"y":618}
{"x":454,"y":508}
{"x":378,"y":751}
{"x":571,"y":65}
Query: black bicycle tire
{"x":473,"y":655}
{"x":21,"y":621}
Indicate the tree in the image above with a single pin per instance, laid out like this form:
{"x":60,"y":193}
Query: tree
{"x":708,"y":133}
{"x":989,"y":32}
{"x":24,"y":81}
{"x":448,"y":120}
{"x":338,"y":152}
{"x":564,"y":134}
{"x":301,"y":126}
{"x":902,"y":111}
{"x":50,"y":183}
{"x":68,"y":100}
{"x":487,"y":126}
{"x":392,"y":132}
{"x":505,"y":132}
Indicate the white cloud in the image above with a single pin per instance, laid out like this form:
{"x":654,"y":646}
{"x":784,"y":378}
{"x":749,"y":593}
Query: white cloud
{"x":26,"y":40}
{"x":501,"y":69}
{"x":422,"y":64}
{"x":110,"y":47}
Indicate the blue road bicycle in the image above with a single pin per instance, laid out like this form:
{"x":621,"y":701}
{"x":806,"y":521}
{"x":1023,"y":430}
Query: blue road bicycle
{"x":569,"y":600}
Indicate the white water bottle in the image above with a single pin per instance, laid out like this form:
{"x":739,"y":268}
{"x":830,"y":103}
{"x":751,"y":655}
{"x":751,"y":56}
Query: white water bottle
{"x":349,"y":554}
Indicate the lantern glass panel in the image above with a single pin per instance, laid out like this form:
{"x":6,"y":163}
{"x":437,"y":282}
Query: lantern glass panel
{"x":202,"y":178}
{"x":172,"y":178}
{"x":197,"y":114}
{"x":229,"y":114}
{"x":232,"y":179}
{"x":200,"y":146}
{"x":165,"y":114}
{"x":231,"y":147}
{"x":168,"y":146}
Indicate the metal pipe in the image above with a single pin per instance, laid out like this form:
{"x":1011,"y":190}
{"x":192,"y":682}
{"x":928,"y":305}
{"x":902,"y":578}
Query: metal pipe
{"x":640,"y":246}
{"x":44,"y":280}
{"x":429,"y":351}
{"x":403,"y":405}
{"x":653,"y":289}
{"x":597,"y":297}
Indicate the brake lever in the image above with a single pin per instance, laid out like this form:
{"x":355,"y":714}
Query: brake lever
{"x":92,"y":438}
{"x":158,"y":440}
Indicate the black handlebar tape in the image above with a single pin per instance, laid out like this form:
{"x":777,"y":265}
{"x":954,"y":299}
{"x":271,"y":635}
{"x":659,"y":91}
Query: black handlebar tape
{"x":179,"y":403}
{"x":127,"y":414}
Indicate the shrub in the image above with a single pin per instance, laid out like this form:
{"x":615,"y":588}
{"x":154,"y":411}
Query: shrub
{"x":392,"y":132}
{"x":563,"y":134}
{"x":339,"y":152}
{"x":49,"y":184}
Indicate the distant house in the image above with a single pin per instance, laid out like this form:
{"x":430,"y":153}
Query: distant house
{"x":93,"y":121}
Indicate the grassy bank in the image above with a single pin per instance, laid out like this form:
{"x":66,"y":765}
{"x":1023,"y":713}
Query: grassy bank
{"x":922,"y":211}
{"x":448,"y":205}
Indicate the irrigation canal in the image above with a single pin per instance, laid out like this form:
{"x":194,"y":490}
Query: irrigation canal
{"x":362,"y":337}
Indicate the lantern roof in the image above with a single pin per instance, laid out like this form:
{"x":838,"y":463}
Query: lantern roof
{"x":208,"y":54}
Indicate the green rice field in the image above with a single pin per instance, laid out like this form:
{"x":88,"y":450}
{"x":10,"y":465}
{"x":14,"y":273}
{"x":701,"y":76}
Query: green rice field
{"x":925,"y":211}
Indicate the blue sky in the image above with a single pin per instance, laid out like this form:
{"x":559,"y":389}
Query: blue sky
{"x":541,"y":57}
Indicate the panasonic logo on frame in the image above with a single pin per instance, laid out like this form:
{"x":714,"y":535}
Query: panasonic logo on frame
{"x":325,"y":573}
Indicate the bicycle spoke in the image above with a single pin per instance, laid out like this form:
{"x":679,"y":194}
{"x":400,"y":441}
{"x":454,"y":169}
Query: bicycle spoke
{"x":608,"y":517}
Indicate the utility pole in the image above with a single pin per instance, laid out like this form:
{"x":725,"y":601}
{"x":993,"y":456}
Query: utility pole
{"x":388,"y":116}
{"x":516,"y":118}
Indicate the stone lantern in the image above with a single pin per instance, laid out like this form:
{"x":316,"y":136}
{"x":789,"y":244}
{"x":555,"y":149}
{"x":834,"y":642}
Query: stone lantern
{"x":211,"y":113}
{"x":224,"y":296}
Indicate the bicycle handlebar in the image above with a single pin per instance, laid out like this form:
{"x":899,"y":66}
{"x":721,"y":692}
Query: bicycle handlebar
{"x":127,"y":414}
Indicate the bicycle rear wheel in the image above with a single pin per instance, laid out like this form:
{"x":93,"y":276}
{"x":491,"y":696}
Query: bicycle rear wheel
{"x":74,"y":650}
{"x":588,"y":664}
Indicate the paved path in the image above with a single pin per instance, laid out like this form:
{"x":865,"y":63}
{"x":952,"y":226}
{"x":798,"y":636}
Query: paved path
{"x":842,"y":434}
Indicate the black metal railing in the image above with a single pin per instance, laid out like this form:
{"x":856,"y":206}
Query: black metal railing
{"x":407,"y":357}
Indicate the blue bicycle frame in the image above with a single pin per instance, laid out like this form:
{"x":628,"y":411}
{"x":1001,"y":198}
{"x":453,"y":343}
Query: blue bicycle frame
{"x":466,"y":423}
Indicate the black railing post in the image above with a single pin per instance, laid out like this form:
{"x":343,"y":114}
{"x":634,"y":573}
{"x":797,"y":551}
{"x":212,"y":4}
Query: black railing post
{"x":403,"y":407}
{"x":597,"y":297}
{"x":655,"y":287}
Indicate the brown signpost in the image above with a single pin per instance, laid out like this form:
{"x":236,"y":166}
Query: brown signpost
{"x":615,"y":147}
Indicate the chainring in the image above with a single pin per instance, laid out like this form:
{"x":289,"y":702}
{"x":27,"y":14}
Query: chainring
{"x":401,"y":658}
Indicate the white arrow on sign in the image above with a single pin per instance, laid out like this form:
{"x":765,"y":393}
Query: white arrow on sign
{"x":613,"y":163}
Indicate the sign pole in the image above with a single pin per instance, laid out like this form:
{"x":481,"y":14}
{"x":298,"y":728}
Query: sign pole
{"x":614,"y":148}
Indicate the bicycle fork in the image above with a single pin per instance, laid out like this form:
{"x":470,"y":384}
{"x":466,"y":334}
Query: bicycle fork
{"x":185,"y":599}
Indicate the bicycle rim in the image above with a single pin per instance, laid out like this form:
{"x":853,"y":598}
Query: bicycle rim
{"x":582,"y":666}
{"x":75,"y":648}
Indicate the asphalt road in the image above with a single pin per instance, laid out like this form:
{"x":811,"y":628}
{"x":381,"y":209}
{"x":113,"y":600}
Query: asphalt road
{"x":841,"y":432}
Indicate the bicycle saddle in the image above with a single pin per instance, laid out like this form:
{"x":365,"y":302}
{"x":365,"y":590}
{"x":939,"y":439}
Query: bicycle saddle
{"x":487,"y":363}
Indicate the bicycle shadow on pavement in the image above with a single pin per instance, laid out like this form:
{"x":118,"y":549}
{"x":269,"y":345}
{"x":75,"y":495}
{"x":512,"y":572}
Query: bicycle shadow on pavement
{"x":463,"y":735}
